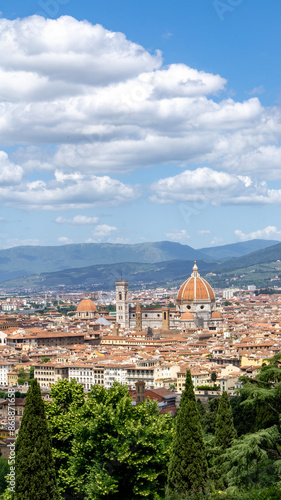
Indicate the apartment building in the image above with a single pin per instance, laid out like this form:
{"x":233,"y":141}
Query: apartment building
{"x":5,"y":368}
{"x":49,"y":373}
{"x":86,"y":375}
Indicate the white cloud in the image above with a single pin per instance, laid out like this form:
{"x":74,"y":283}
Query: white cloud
{"x":85,"y":191}
{"x":179,"y":235}
{"x":257,"y":90}
{"x":77,"y":220}
{"x":64,"y":240}
{"x":9,"y":172}
{"x":102,"y":232}
{"x":17,"y":242}
{"x":82,"y":101}
{"x":204,"y":231}
{"x":205,"y":186}
{"x":217,"y":241}
{"x":267,"y":233}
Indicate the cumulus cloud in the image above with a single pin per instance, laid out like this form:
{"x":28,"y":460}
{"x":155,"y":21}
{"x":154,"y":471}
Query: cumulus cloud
{"x":77,"y":220}
{"x":206,"y":186}
{"x":83,"y":192}
{"x":179,"y":235}
{"x":83,"y":102}
{"x":9,"y":172}
{"x":267,"y":233}
{"x":102,"y":232}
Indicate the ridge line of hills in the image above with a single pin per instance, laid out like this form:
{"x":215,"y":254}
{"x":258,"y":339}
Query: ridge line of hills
{"x":259,"y":267}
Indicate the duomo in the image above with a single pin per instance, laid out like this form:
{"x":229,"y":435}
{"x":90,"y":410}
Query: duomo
{"x":195,"y":308}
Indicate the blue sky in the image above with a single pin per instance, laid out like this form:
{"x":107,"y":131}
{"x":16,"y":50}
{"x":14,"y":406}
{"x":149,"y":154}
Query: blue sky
{"x":140,"y":121}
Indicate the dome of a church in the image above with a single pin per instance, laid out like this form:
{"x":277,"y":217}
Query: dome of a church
{"x":187,"y":316}
{"x":86,"y":305}
{"x":195,"y":288}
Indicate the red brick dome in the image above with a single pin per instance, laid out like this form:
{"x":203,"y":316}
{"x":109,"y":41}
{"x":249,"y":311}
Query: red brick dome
{"x":195,"y":288}
{"x":86,"y":305}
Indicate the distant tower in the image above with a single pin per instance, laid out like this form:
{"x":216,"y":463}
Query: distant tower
{"x":140,"y":391}
{"x":122,"y":303}
{"x":138,"y":317}
{"x":165,"y":318}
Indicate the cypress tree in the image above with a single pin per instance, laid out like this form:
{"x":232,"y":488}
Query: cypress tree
{"x":225,"y":431}
{"x":34,"y":468}
{"x":188,"y":464}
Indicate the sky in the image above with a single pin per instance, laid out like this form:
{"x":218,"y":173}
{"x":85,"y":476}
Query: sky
{"x":128,"y":122}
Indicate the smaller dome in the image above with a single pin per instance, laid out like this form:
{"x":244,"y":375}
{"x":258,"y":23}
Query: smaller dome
{"x":216,"y":315}
{"x":86,"y":305}
{"x":187,"y":316}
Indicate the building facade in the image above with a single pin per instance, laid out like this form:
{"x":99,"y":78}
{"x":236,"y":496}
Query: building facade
{"x":195,"y":308}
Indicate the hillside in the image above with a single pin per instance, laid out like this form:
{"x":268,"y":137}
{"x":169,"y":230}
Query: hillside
{"x":261,"y":268}
{"x":237,"y":249}
{"x":29,"y":260}
{"x":99,"y":277}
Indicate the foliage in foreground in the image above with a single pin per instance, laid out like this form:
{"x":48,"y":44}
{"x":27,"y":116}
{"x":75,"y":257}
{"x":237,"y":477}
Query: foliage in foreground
{"x":270,"y":493}
{"x":34,"y":468}
{"x":106,"y":448}
{"x":188,"y":463}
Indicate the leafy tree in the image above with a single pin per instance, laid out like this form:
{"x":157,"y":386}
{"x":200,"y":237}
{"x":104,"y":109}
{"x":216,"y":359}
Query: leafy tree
{"x":45,"y":359}
{"x":263,"y":393}
{"x":34,"y":468}
{"x":31,"y":372}
{"x":213,"y":377}
{"x":105,"y":447}
{"x":63,"y":417}
{"x":188,"y":463}
{"x":225,"y":431}
{"x":253,"y":460}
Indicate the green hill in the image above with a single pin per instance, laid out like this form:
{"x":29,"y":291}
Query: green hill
{"x":237,"y":249}
{"x":29,"y":260}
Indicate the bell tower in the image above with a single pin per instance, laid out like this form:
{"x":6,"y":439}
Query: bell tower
{"x":122,"y":303}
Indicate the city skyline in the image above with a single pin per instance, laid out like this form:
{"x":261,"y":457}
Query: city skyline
{"x":127,"y":123}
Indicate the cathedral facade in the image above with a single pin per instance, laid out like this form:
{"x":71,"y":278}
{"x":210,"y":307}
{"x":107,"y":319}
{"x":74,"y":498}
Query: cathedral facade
{"x":195,"y":308}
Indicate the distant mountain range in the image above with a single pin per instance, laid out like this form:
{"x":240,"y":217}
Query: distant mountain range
{"x":237,"y":249}
{"x":29,"y":260}
{"x":145,"y":264}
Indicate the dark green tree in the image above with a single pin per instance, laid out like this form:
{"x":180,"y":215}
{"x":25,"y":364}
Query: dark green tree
{"x":225,"y":431}
{"x":4,"y":471}
{"x":211,"y":415}
{"x":34,"y":468}
{"x":187,"y":470}
{"x":202,"y":411}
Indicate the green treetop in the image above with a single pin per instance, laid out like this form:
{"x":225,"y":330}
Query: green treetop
{"x":225,"y":431}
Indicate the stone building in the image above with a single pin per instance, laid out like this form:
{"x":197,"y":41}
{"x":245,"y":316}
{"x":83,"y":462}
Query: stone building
{"x":87,"y":309}
{"x":195,"y":308}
